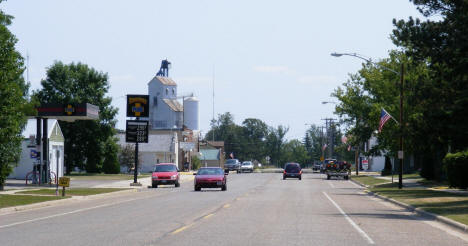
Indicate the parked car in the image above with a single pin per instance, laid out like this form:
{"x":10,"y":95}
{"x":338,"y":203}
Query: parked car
{"x":210,"y":177}
{"x":165,"y":173}
{"x":232,"y":165}
{"x":316,"y":167}
{"x":247,"y":166}
{"x":292,"y":170}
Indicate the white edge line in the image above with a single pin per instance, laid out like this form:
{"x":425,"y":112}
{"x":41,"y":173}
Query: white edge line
{"x":363,"y":234}
{"x":331,"y":184}
{"x":71,"y":212}
{"x":358,"y":186}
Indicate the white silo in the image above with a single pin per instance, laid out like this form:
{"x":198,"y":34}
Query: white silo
{"x":191,"y":113}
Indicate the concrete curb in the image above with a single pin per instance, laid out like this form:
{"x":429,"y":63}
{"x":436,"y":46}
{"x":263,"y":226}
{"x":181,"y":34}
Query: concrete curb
{"x":456,"y":225}
{"x":11,"y":210}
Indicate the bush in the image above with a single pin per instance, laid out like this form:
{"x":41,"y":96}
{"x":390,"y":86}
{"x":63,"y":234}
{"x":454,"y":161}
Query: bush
{"x":388,"y":167}
{"x":196,"y":163}
{"x":456,"y":167}
{"x":111,"y":163}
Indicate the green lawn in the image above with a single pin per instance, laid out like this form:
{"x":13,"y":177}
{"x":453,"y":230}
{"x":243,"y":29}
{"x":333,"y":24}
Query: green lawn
{"x":102,"y":176}
{"x":72,"y":191}
{"x":18,"y":200}
{"x":406,"y":176}
{"x":367,"y":180}
{"x":447,"y":204}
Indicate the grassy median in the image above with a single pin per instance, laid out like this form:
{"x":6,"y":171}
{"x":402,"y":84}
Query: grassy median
{"x":72,"y":191}
{"x":18,"y":200}
{"x":450,"y":205}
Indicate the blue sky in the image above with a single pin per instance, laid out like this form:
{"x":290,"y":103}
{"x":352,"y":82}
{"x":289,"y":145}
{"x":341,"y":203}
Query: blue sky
{"x":270,"y":59}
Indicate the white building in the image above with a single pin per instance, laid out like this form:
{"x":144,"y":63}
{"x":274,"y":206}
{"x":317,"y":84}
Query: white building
{"x":56,"y":149}
{"x":162,"y":147}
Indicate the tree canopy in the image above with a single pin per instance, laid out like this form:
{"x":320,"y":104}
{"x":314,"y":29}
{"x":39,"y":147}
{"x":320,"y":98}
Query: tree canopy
{"x":13,"y":99}
{"x":86,"y":142}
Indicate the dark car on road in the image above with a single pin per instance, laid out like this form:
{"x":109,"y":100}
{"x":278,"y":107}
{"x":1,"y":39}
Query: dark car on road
{"x":210,"y":177}
{"x":232,"y":165}
{"x":292,"y":170}
{"x":165,"y":173}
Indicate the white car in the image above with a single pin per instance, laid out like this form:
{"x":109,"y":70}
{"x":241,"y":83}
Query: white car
{"x":247,"y":166}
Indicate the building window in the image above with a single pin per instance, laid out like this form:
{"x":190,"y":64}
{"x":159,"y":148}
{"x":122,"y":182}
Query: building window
{"x":167,"y":91}
{"x":173,"y":91}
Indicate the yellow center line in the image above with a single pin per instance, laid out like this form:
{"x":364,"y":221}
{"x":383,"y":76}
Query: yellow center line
{"x":208,"y":216}
{"x":181,"y":229}
{"x":226,"y":205}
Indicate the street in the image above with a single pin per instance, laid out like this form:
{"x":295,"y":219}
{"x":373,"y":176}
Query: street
{"x":256,"y":209}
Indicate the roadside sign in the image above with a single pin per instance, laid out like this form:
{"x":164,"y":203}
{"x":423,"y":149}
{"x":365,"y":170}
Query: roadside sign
{"x":322,"y":158}
{"x":34,"y":154}
{"x":64,"y":182}
{"x":137,"y":106}
{"x":187,"y":146}
{"x":365,"y":164}
{"x":136,"y":131}
{"x":400,"y":154}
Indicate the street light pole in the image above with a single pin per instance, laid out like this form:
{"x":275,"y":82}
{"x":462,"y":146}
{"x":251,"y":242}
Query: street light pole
{"x":401,"y":74}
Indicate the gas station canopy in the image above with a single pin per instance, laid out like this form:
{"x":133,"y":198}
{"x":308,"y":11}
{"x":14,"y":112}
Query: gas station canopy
{"x":68,"y":112}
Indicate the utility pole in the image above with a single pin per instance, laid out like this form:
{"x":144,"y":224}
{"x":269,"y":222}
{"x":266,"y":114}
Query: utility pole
{"x":400,"y":153}
{"x":330,"y":135}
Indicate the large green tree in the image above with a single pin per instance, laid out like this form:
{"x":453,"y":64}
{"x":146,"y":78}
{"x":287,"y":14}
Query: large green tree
{"x":442,"y":44}
{"x":13,"y":99}
{"x":85,"y":141}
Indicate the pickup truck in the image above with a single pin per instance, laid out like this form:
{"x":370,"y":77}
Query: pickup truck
{"x":232,"y":165}
{"x":338,"y":169}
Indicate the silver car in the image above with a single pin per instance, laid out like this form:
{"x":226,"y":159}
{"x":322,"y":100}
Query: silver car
{"x":247,"y":166}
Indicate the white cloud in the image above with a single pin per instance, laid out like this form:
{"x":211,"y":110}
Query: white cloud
{"x":273,"y":69}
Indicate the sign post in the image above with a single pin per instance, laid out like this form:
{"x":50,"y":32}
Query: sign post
{"x":64,"y":182}
{"x":137,"y":131}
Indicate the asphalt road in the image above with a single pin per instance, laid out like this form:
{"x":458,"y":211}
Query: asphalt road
{"x":257,"y":209}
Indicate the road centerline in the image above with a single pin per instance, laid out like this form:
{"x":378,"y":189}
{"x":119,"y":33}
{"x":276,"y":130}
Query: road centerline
{"x":363,"y":233}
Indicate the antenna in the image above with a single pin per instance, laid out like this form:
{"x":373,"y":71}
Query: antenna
{"x":27,"y":67}
{"x":213,"y":100}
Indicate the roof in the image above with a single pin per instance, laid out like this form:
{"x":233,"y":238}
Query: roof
{"x":209,"y":154}
{"x":156,"y":143}
{"x":216,"y":143}
{"x":164,"y":80}
{"x":31,"y":128}
{"x":174,"y":105}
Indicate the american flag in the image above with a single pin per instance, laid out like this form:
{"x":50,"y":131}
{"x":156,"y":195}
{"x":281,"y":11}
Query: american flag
{"x":384,"y":117}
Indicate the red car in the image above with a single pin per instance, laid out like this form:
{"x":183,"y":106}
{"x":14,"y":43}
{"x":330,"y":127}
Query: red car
{"x":210,"y":177}
{"x":165,"y":173}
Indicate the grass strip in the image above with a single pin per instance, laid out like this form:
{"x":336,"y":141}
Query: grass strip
{"x":450,"y":205}
{"x":102,"y":176}
{"x":18,"y":200}
{"x":367,"y":180}
{"x":72,"y":191}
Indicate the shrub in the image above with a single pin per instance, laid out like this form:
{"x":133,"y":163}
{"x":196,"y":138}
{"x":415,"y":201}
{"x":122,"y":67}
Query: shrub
{"x":456,"y":167}
{"x":388,"y":167}
{"x":196,"y":163}
{"x":111,"y":163}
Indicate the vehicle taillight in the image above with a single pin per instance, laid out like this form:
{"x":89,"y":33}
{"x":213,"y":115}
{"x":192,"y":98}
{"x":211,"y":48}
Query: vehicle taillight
{"x":284,"y":171}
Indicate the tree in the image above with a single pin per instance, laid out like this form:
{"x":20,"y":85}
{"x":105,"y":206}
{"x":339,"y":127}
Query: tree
{"x":85,"y":141}
{"x":254,"y":135}
{"x":275,"y":142}
{"x":111,"y":163}
{"x":127,"y":157}
{"x":13,"y":99}
{"x":294,"y":151}
{"x":442,"y":45}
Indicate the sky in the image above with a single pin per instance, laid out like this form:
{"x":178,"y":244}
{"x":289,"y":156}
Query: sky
{"x":267,"y":59}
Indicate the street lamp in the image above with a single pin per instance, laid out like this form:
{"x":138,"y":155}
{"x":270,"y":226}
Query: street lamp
{"x":401,"y":74}
{"x":325,"y":102}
